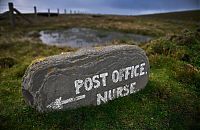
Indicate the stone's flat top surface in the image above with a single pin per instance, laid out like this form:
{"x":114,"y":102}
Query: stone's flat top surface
{"x":85,"y":51}
{"x":90,"y":76}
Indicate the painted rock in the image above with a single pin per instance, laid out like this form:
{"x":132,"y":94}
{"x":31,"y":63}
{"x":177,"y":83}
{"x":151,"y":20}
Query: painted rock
{"x":87,"y":77}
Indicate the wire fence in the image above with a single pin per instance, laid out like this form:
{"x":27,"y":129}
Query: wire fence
{"x":30,"y":9}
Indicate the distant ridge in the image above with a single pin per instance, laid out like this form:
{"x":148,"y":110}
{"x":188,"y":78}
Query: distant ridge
{"x":192,"y":15}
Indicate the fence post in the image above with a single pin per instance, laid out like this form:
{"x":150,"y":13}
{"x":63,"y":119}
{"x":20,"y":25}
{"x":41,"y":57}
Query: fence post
{"x":65,"y":11}
{"x":58,"y":11}
{"x":35,"y":11}
{"x":49,"y":13}
{"x":11,"y":14}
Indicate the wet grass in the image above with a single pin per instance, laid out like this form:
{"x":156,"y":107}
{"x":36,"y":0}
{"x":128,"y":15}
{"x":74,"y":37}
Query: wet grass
{"x":169,"y":101}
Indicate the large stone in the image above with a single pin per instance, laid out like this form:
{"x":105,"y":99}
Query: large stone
{"x":86,"y":77}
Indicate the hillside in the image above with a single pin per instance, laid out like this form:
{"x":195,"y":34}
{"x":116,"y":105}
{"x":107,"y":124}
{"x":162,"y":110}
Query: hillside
{"x":171,"y":99}
{"x":182,"y":15}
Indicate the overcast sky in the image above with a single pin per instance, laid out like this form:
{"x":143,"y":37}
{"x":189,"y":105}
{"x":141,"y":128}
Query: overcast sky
{"x":124,"y":7}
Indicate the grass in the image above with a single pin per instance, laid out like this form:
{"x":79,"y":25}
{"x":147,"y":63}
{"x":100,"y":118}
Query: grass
{"x":169,"y":101}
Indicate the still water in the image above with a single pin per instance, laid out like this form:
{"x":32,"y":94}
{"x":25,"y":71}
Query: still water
{"x":85,"y":37}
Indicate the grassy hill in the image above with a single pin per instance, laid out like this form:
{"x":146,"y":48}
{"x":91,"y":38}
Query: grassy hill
{"x":171,"y":100}
{"x":182,"y":15}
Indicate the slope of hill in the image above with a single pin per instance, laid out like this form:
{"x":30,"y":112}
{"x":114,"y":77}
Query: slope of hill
{"x":171,"y":100}
{"x":182,"y":15}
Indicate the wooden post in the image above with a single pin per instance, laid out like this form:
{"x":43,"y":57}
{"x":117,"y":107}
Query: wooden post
{"x":58,"y":11}
{"x":65,"y":11}
{"x":49,"y":13}
{"x":11,"y":14}
{"x":35,"y":11}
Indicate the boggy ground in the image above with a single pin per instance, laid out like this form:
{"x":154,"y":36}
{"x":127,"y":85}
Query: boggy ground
{"x":171,"y":100}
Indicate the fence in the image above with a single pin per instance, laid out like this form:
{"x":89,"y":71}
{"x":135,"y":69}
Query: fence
{"x":33,"y":10}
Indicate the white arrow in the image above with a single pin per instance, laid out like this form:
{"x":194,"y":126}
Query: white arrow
{"x":58,"y":104}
